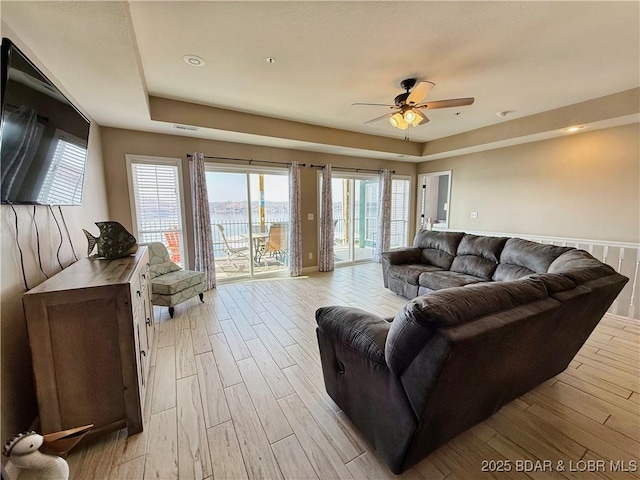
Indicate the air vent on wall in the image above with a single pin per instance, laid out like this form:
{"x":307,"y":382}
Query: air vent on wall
{"x":186,"y":127}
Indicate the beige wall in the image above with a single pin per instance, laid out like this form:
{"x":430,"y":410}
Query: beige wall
{"x":117,"y":143}
{"x":585,"y":185}
{"x":19,"y":407}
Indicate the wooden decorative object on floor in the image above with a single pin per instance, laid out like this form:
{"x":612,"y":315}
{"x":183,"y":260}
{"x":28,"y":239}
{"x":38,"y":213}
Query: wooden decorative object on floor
{"x":23,"y":451}
{"x":59,"y":443}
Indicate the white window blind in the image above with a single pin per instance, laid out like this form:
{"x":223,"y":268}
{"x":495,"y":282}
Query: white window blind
{"x":156,"y":191}
{"x":399,"y":212}
{"x":63,"y":182}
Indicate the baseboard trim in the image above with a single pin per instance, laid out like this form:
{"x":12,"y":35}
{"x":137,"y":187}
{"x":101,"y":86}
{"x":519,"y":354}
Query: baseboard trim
{"x":310,"y":269}
{"x":633,"y":321}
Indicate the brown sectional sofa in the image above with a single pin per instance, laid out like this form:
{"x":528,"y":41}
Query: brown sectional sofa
{"x":493,"y":318}
{"x":453,"y":259}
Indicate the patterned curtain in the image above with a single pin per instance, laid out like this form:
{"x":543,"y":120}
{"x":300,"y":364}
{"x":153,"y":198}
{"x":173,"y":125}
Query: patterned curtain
{"x":326,"y":225}
{"x":295,"y":232}
{"x":205,"y":261}
{"x":383,"y":236}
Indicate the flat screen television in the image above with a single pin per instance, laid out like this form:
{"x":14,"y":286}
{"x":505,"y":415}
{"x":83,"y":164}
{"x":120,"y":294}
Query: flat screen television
{"x":43,"y":137}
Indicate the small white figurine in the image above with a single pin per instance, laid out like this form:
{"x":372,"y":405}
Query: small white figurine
{"x":23,"y":452}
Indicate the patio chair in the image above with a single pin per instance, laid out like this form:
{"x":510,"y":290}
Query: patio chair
{"x":171,"y":284}
{"x":233,"y":253}
{"x":173,"y":245}
{"x":277,"y":243}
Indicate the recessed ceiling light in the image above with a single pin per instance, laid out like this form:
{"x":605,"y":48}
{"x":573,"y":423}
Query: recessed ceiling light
{"x":574,"y":129}
{"x":193,"y":60}
{"x":271,"y":60}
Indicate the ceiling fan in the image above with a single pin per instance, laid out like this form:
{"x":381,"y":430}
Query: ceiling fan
{"x":408,"y":108}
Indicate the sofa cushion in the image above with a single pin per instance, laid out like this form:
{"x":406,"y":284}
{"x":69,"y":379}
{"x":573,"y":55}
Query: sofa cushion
{"x":418,"y":320}
{"x":553,"y":282}
{"x":478,"y":256}
{"x":445,"y":279}
{"x":580,"y":267}
{"x":522,"y":257}
{"x":174,"y":282}
{"x":438,"y":248}
{"x":410,"y":272}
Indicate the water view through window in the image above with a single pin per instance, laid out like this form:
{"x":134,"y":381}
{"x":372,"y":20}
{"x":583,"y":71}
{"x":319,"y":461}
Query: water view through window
{"x":250,"y":221}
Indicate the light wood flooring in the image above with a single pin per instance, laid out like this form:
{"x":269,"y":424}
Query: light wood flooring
{"x":236,"y":392}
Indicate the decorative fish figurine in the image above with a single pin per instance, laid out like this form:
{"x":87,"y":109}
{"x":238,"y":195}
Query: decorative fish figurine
{"x":114,"y":241}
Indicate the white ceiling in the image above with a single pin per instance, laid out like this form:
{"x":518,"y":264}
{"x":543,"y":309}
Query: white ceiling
{"x":521,"y":57}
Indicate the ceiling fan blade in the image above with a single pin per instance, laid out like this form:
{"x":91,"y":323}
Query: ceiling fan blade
{"x":453,"y":102}
{"x":386,"y":115}
{"x":372,"y":105}
{"x":419,"y":92}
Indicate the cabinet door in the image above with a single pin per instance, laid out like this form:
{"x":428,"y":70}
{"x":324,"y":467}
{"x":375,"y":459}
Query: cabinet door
{"x":77,"y":356}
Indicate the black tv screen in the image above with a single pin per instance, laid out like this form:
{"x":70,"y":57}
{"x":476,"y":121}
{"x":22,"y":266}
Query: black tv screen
{"x":43,"y":137}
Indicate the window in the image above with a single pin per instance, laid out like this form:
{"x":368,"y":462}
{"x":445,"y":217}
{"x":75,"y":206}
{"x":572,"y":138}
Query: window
{"x":155,"y":185}
{"x":63,"y":182}
{"x":400,"y":190}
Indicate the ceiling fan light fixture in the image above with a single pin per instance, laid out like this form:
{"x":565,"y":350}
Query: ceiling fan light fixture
{"x":418,"y":119}
{"x":409,"y":115}
{"x":398,"y":121}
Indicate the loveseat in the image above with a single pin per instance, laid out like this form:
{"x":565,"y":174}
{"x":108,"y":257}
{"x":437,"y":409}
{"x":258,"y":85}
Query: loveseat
{"x":498,"y":317}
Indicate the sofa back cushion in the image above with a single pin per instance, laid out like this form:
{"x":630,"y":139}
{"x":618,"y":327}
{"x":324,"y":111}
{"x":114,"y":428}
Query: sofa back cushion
{"x":580,"y":267}
{"x":478,"y":256}
{"x":438,"y":248}
{"x":417,"y":322}
{"x":521,"y":257}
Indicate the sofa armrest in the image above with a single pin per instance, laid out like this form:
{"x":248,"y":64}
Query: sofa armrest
{"x":362,"y":331}
{"x":400,"y":256}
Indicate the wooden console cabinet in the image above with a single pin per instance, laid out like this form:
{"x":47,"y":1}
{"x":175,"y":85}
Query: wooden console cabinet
{"x":90,"y":329}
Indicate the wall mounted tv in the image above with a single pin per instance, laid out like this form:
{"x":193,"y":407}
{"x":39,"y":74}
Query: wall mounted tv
{"x":43,"y":137}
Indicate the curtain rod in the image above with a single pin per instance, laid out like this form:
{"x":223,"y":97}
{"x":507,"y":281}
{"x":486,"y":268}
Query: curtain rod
{"x":352,"y":168}
{"x":250,"y":160}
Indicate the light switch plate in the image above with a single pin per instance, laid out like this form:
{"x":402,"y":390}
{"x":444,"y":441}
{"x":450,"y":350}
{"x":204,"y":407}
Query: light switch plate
{"x":310,"y":216}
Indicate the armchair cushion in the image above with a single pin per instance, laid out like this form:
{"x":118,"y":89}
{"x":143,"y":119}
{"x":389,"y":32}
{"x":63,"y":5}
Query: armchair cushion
{"x":159,"y":261}
{"x":174,"y":282}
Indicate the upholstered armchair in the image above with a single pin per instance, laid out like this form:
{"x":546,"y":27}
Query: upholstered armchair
{"x":170,"y":284}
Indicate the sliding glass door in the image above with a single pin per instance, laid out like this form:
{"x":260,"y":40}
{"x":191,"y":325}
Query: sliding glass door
{"x":250,"y":221}
{"x":355,"y":217}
